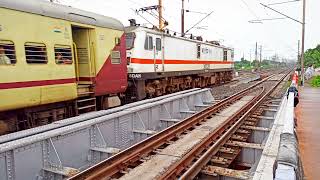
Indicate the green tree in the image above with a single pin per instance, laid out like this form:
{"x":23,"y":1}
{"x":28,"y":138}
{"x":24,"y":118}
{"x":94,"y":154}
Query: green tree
{"x":243,"y":64}
{"x":312,"y":57}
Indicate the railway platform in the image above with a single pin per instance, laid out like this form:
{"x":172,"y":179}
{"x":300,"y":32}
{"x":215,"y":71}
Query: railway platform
{"x":308,"y":120}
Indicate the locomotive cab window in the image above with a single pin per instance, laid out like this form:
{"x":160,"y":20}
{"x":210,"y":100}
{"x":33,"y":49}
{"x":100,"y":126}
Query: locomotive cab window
{"x":36,"y":53}
{"x":225,"y":55}
{"x":7,"y":53}
{"x":63,"y":54}
{"x":115,"y":57}
{"x":158,"y":44}
{"x":148,"y":44}
{"x":130,"y":37}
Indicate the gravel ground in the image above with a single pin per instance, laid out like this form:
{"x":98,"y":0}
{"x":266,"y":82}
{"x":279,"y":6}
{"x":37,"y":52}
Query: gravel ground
{"x":224,"y":91}
{"x":280,"y":90}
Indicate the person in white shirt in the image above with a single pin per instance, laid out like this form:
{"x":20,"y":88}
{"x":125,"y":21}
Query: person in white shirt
{"x":3,"y":58}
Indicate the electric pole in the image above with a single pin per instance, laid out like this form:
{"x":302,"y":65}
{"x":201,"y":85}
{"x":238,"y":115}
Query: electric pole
{"x":298,"y":51}
{"x":159,"y":9}
{"x":303,"y":23}
{"x":161,"y":25}
{"x":256,"y":53}
{"x":302,"y":43}
{"x":260,"y":56}
{"x":182,"y":19}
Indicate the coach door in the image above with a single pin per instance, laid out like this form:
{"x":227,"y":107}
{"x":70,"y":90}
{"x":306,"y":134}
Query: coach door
{"x":158,"y":54}
{"x":83,"y":54}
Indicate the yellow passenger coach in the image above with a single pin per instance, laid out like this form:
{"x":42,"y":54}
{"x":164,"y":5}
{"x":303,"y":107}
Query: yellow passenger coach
{"x":57,"y":62}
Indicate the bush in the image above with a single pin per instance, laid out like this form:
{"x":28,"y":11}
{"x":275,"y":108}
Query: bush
{"x":315,"y":81}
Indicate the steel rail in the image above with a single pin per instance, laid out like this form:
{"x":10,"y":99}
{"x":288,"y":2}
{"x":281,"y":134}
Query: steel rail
{"x":120,"y":161}
{"x":213,"y":137}
{"x":197,"y":166}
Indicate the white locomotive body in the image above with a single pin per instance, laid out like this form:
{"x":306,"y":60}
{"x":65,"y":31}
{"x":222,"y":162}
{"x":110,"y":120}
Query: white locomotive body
{"x":160,"y":63}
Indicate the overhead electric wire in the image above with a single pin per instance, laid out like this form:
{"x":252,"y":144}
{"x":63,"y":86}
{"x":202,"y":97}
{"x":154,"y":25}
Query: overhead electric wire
{"x":249,"y":8}
{"x":267,"y":19}
{"x":141,"y":5}
{"x":142,"y":17}
{"x":199,"y":21}
{"x":285,"y":2}
{"x":196,"y":12}
{"x":134,"y":2}
{"x":281,"y":13}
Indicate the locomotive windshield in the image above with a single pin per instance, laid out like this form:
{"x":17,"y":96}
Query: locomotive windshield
{"x":130,"y":40}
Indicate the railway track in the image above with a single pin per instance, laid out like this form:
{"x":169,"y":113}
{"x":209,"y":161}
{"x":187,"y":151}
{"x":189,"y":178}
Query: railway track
{"x":220,"y":91}
{"x":213,"y":144}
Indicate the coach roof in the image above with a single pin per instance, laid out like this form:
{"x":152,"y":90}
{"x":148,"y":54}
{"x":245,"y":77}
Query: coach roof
{"x":54,"y":10}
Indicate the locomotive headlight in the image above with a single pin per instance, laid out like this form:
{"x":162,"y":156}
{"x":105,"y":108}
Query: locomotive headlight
{"x":130,"y":69}
{"x":128,"y":57}
{"x":129,"y":54}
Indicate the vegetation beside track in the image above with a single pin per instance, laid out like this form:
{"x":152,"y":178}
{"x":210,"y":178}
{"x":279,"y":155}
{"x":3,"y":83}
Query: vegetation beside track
{"x":315,"y":81}
{"x":287,"y":85}
{"x":312,"y":57}
{"x":248,"y":65}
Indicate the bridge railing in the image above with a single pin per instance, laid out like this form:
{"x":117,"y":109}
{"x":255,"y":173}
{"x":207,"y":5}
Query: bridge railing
{"x":63,"y":151}
{"x":288,"y":164}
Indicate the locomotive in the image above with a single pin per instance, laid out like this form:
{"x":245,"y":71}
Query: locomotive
{"x":161,"y":63}
{"x":57,"y":62}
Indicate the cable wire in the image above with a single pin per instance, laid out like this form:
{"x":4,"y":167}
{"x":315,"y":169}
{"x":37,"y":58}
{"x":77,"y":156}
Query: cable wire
{"x":249,"y":8}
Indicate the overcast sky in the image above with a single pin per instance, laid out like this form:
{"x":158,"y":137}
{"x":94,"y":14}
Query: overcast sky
{"x":228,"y":23}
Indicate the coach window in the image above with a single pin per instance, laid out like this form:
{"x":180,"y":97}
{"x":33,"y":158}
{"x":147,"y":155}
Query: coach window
{"x":36,"y":53}
{"x":148,"y":44}
{"x":63,"y":54}
{"x":158,"y":44}
{"x":7,"y":53}
{"x":225,"y":55}
{"x":115,"y":57}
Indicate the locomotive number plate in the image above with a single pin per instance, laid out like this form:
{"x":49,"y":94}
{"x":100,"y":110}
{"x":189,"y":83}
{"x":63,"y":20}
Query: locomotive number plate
{"x":135,"y":76}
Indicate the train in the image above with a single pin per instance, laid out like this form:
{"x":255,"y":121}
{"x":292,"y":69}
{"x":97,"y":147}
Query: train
{"x":58,"y":62}
{"x":162,"y":62}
